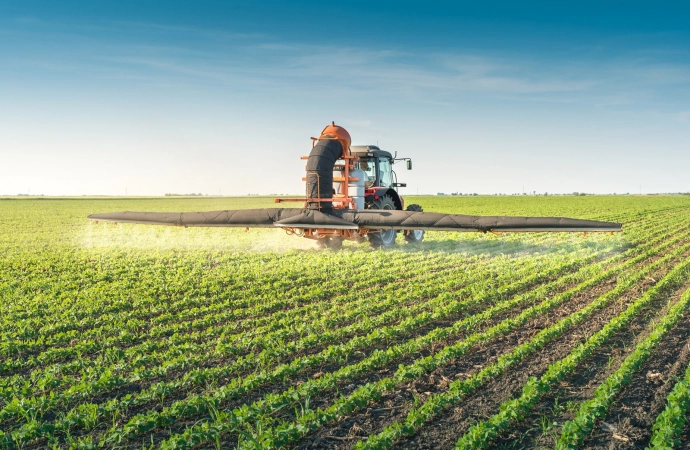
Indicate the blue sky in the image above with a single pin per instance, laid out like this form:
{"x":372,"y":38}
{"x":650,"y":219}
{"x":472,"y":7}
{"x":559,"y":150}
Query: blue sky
{"x":148,"y":97}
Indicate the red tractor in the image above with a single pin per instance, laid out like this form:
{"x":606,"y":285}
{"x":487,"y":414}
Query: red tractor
{"x":381,"y":190}
{"x":345,"y":177}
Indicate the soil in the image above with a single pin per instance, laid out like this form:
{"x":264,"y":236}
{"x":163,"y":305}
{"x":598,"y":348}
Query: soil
{"x":638,"y":405}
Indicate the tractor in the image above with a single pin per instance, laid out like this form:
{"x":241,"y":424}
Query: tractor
{"x":381,"y":191}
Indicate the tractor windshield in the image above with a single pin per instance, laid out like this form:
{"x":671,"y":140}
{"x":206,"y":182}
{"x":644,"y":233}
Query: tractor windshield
{"x":385,"y":175}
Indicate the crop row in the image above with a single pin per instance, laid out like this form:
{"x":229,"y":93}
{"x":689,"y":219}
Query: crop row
{"x":226,"y":344}
{"x":246,"y":284}
{"x":332,"y":353}
{"x":243,"y":417}
{"x":91,"y":383}
{"x":480,"y":434}
{"x":575,"y":430}
{"x":670,"y":422}
{"x":457,"y":390}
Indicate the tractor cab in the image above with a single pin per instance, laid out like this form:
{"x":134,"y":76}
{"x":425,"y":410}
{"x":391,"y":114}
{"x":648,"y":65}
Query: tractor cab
{"x":378,"y":170}
{"x":380,"y":179}
{"x":378,"y":165}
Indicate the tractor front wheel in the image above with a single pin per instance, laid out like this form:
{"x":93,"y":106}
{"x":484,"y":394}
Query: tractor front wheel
{"x":382,"y":238}
{"x":414,"y":236}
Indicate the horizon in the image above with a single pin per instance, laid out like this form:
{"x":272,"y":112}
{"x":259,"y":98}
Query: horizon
{"x":438,"y":194}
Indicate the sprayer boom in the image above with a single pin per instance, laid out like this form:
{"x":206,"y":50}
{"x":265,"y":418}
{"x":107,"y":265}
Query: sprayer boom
{"x":360,"y":200}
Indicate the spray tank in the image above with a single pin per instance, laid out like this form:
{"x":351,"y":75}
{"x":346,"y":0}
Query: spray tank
{"x":357,"y":187}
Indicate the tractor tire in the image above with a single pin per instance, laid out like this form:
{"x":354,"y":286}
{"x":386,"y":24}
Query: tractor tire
{"x":382,"y":238}
{"x":414,"y":236}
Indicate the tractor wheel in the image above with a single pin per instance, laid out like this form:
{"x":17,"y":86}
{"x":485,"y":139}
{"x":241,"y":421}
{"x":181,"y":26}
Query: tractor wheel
{"x":414,"y":236}
{"x":382,"y":238}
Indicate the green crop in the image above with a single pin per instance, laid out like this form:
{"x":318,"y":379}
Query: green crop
{"x":165,"y":337}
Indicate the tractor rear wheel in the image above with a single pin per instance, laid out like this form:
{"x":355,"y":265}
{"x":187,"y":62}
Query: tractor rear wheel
{"x":414,"y":236}
{"x":382,"y":238}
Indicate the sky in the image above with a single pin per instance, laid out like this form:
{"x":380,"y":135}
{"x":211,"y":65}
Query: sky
{"x":221,"y":97}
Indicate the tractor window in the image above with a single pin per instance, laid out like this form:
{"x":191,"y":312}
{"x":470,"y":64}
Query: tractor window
{"x":385,"y":175}
{"x":368,"y":165}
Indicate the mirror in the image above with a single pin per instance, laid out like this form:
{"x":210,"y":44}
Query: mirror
{"x":409,"y":164}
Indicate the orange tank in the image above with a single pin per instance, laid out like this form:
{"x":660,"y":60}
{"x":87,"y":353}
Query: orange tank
{"x":336,"y":131}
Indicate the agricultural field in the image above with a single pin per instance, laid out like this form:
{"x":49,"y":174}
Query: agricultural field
{"x":133,"y":336}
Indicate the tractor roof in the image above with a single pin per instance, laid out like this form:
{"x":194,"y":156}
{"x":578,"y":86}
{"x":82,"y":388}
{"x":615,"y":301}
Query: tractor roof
{"x":372,"y":150}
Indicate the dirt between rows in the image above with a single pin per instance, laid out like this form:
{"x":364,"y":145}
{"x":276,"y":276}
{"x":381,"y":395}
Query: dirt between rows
{"x":447,"y":426}
{"x":542,"y":427}
{"x":629,"y":423}
{"x":324,"y":399}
